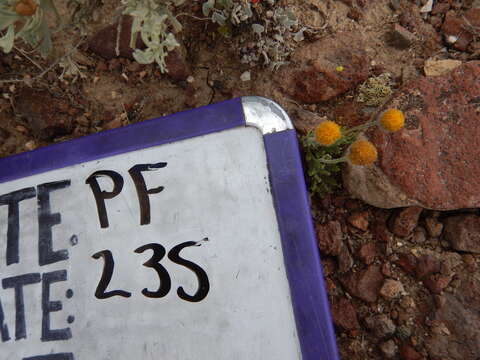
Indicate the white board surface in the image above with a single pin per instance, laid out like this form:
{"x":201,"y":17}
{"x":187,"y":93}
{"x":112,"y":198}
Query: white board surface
{"x":215,"y":187}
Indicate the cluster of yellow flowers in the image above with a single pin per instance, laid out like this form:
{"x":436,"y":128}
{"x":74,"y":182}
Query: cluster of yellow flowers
{"x":360,"y":152}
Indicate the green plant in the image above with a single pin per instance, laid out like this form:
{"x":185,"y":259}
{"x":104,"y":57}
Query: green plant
{"x":26,"y":19}
{"x":154,"y":22}
{"x":322,"y":177}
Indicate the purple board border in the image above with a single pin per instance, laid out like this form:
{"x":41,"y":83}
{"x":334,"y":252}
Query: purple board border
{"x":310,"y":302}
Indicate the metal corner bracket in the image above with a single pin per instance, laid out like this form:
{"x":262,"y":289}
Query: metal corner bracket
{"x":265,"y":115}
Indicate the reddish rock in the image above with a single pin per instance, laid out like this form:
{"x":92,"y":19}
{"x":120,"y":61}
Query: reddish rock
{"x":104,"y":42}
{"x":440,"y":8}
{"x":367,"y":253}
{"x":427,"y":265}
{"x":381,"y":324}
{"x":314,"y":77}
{"x":46,"y":115}
{"x":434,"y":227}
{"x":345,"y":259}
{"x":392,"y":289}
{"x":403,"y":223}
{"x":407,"y":262}
{"x":433,"y":161}
{"x":400,"y":37}
{"x":409,"y":353}
{"x":463,"y":232}
{"x":359,"y":220}
{"x":364,"y":284}
{"x":461,"y":27}
{"x":437,"y":283}
{"x":344,"y":314}
{"x":381,"y":233}
{"x":329,"y":237}
{"x":460,"y":315}
{"x":177,"y":65}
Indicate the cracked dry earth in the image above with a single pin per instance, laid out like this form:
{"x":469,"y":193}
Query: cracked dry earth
{"x":404,"y":283}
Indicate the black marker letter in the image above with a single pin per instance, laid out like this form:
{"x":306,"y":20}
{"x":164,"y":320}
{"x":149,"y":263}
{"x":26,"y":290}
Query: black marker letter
{"x":46,"y":220}
{"x":102,"y":195}
{"x":142,"y":191}
{"x":3,"y":327}
{"x":203,"y":283}
{"x":17,"y":283}
{"x":51,"y":306}
{"x":12,"y":201}
{"x":59,"y":356}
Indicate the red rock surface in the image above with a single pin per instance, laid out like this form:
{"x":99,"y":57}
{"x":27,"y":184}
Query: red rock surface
{"x":46,"y":115}
{"x":460,"y":316}
{"x":104,"y":42}
{"x":434,"y":161}
{"x":461,"y":27}
{"x":344,"y":314}
{"x":463,"y":232}
{"x":313,"y":76}
{"x":365,"y":284}
{"x":403,"y":223}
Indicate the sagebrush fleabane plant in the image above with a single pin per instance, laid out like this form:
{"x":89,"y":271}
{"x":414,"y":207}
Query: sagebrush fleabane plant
{"x":362,"y":152}
{"x":328,"y":133}
{"x":392,"y":120}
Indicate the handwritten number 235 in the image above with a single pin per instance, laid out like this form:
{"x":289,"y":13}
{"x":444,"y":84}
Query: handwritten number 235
{"x":154,"y":263}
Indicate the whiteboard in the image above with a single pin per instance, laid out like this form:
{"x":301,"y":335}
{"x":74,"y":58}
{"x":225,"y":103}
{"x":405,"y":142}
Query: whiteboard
{"x":183,"y":237}
{"x":215,"y":187}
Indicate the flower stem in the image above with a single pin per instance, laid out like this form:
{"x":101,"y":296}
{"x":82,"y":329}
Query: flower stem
{"x":359,"y":128}
{"x":333,"y":161}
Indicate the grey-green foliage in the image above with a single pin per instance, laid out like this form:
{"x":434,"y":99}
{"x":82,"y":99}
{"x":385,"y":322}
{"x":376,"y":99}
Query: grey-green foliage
{"x":154,"y":22}
{"x":32,"y":29}
{"x":322,"y":178}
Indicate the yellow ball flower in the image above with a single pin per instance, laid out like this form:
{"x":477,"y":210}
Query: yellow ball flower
{"x":327,"y":133}
{"x":392,"y":120}
{"x":362,"y":152}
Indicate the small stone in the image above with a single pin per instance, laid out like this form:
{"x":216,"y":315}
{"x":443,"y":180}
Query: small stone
{"x":359,"y":220}
{"x":457,"y":26}
{"x":389,"y":349}
{"x":470,"y":262}
{"x":407,"y":262}
{"x":246,"y":76}
{"x":381,"y":324}
{"x":434,"y":227}
{"x":367,"y":253}
{"x":400,"y":37}
{"x":354,"y":14}
{"x":190,"y":79}
{"x":409,"y":353}
{"x":115,"y":123}
{"x":344,"y":314}
{"x":329,"y":237}
{"x":392,"y":289}
{"x":419,"y":235}
{"x":440,"y":67}
{"x":104,"y":42}
{"x":345,"y":259}
{"x":405,"y":221}
{"x":30,"y":145}
{"x":463,"y":232}
{"x":364,"y":284}
{"x":426,"y":266}
{"x":381,"y":233}
{"x":407,"y":302}
{"x":437,"y":283}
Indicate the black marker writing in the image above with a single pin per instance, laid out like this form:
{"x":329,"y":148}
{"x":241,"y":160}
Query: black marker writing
{"x":102,"y":195}
{"x":12,"y":199}
{"x":17,"y":283}
{"x":142,"y":191}
{"x":51,"y":306}
{"x":46,"y":220}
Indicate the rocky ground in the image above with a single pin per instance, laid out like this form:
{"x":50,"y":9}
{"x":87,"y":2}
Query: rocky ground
{"x":400,"y":245}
